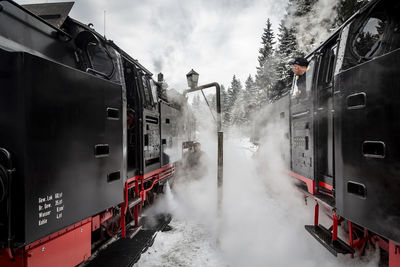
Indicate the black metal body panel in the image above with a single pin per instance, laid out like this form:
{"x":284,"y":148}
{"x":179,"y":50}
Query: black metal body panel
{"x":302,"y":136}
{"x":52,"y":119}
{"x":22,"y":32}
{"x":368,"y":184}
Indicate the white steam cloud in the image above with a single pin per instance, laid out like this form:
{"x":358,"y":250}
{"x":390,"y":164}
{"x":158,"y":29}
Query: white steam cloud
{"x":263,"y":215}
{"x":314,"y":27}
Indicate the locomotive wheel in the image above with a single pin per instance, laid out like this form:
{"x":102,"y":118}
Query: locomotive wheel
{"x":112,"y":227}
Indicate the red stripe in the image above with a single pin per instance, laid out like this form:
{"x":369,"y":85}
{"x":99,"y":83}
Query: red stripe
{"x":325,"y":185}
{"x":309,"y":182}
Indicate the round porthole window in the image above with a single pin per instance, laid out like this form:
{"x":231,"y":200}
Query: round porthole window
{"x":368,"y":40}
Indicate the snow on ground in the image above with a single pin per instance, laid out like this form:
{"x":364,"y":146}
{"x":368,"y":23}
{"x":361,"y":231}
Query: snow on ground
{"x":187,"y":244}
{"x":262,"y":221}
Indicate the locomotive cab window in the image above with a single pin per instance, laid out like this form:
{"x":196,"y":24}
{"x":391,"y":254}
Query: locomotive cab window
{"x":303,"y":91}
{"x":154,"y":90}
{"x":148,"y":102}
{"x":331,"y":65}
{"x":99,"y":58}
{"x":368,"y":40}
{"x":327,"y":66}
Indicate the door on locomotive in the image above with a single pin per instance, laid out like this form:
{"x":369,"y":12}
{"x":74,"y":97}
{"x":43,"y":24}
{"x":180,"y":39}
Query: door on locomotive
{"x":301,"y":114}
{"x":367,"y":121}
{"x":324,"y":113}
{"x":143,"y":121}
{"x":151,"y":127}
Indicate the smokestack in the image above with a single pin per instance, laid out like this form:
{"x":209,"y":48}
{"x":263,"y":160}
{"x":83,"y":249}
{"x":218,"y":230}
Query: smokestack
{"x":160,"y":77}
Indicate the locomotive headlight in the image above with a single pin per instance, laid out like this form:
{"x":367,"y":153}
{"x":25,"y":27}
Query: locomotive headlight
{"x":192,"y":79}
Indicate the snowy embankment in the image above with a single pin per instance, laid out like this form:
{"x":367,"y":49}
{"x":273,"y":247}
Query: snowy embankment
{"x":262,"y":221}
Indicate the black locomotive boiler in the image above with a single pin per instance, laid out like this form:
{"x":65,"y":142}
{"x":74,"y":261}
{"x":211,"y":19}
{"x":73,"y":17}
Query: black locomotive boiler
{"x":86,"y":137}
{"x":344,"y":132}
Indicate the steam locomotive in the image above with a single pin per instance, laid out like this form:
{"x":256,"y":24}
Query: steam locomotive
{"x":87,"y":137}
{"x":344,"y":133}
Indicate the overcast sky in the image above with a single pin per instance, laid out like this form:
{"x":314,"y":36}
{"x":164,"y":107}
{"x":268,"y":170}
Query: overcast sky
{"x":217,"y":38}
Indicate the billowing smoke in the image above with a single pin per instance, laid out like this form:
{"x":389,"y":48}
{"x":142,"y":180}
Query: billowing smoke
{"x":315,"y":26}
{"x":158,"y":64}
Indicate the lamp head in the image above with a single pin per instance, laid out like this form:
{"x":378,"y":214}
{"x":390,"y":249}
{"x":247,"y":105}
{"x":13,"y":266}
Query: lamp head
{"x":192,"y":79}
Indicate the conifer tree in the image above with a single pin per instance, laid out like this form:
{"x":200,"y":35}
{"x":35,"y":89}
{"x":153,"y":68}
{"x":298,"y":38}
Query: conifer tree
{"x":251,"y":94}
{"x":224,"y":104}
{"x":286,"y":52}
{"x":231,"y":101}
{"x":224,"y":98}
{"x":239,"y":114}
{"x":248,"y":100}
{"x":346,"y":8}
{"x":265,"y":77}
{"x":267,"y":42}
{"x":298,"y":8}
{"x":233,"y":91}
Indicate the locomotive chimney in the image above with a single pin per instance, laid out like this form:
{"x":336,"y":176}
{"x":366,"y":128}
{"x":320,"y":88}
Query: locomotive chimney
{"x":160,"y":77}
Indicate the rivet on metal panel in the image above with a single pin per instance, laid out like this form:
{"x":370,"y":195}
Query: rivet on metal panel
{"x":43,"y":249}
{"x":81,"y":230}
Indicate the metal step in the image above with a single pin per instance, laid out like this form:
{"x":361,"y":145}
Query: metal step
{"x":133,"y":231}
{"x":126,"y":251}
{"x":324,"y":236}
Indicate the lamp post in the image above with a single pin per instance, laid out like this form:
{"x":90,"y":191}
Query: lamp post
{"x":192,"y":79}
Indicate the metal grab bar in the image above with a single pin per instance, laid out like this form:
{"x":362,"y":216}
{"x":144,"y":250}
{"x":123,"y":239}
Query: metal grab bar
{"x":300,"y":114}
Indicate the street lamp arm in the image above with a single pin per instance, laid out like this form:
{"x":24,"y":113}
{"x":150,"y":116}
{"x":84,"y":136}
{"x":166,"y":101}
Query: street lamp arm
{"x":208,"y":85}
{"x":218,"y":94}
